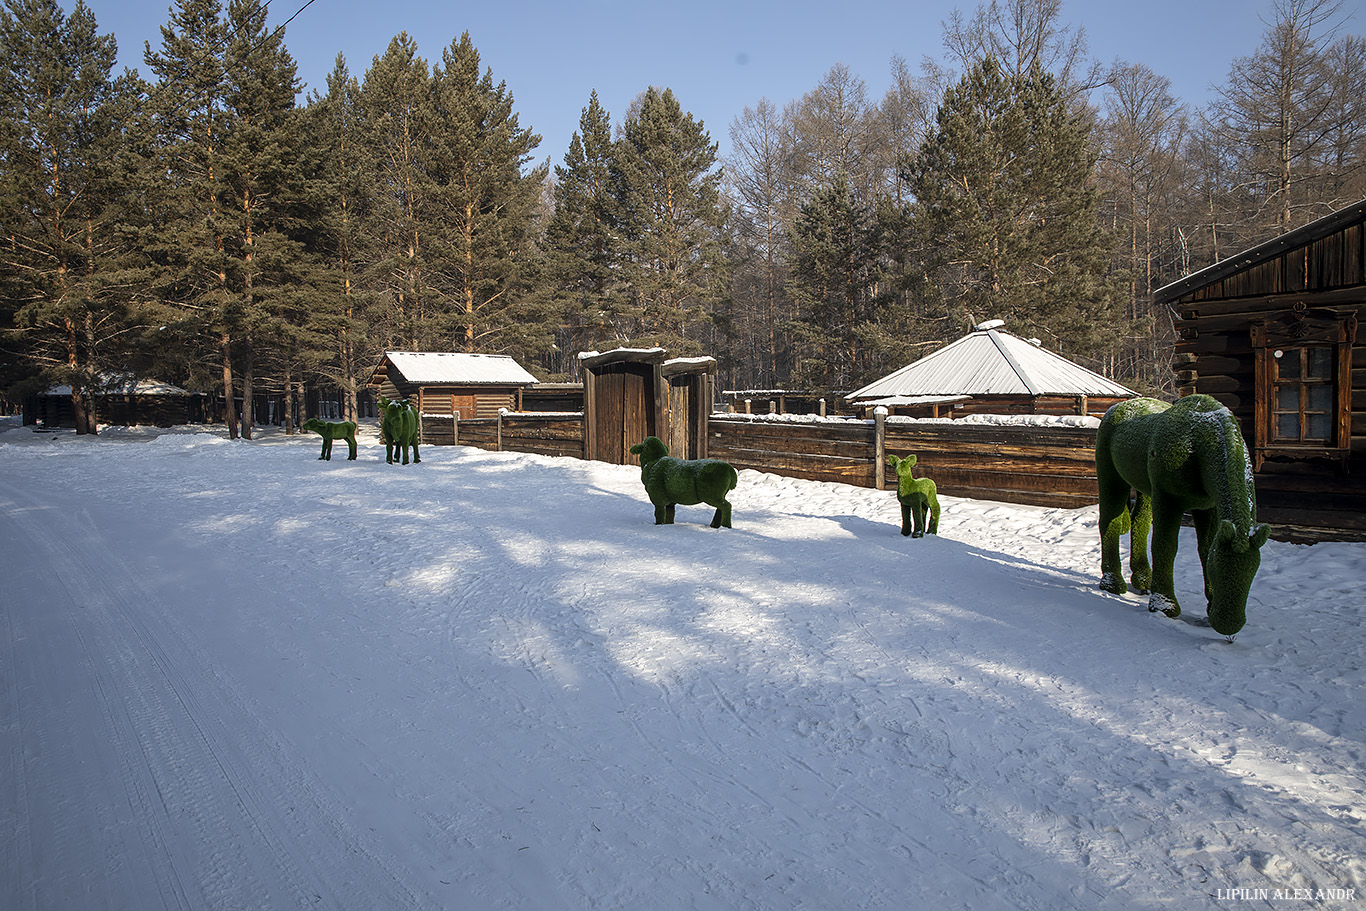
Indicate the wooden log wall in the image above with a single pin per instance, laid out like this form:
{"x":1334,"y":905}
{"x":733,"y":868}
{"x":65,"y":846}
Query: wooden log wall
{"x":550,"y":433}
{"x":1052,"y":465}
{"x":1013,"y":463}
{"x":841,"y":451}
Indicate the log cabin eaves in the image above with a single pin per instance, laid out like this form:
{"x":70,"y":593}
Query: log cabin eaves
{"x":1262,"y":253}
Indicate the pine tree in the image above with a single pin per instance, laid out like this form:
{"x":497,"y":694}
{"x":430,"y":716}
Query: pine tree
{"x":393,"y":103}
{"x":1005,"y":195}
{"x":481,"y":208}
{"x":834,"y":271}
{"x":672,"y":221}
{"x":335,"y":125}
{"x":583,"y":241}
{"x":187,"y":233}
{"x":262,"y":184}
{"x":60,"y":130}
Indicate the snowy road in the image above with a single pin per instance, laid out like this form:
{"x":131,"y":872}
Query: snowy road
{"x":234,"y":677}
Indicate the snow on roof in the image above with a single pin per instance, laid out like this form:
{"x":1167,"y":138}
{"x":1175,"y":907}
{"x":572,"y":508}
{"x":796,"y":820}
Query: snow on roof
{"x":624,"y":352}
{"x":125,"y":385}
{"x":432,"y":368}
{"x":989,"y":361}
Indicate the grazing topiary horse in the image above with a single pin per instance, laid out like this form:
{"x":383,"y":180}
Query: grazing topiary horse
{"x":1187,"y":456}
{"x":333,"y":430}
{"x":669,"y":481}
{"x":919,"y":498}
{"x":399,"y":428}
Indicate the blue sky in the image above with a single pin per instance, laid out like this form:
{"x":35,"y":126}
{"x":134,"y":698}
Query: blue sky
{"x":718,"y":57}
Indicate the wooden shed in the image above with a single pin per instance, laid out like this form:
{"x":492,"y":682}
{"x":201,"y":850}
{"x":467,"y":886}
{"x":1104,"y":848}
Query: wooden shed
{"x":692,"y":382}
{"x":990,"y":371}
{"x":451,"y":387}
{"x":123,"y":401}
{"x":625,"y":400}
{"x":1271,"y":333}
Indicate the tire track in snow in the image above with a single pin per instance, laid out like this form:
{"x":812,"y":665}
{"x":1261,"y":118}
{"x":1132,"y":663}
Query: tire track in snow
{"x":221,"y":817}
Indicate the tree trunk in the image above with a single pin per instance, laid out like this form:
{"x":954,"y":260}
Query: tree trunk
{"x":248,"y":377}
{"x":229,"y":396}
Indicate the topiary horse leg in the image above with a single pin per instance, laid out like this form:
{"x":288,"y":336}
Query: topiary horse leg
{"x":1206,"y":521}
{"x":351,"y":447}
{"x":669,"y":514}
{"x":722,"y":517}
{"x":1166,"y":533}
{"x":906,"y":519}
{"x":1140,"y":523}
{"x":1114,"y":523}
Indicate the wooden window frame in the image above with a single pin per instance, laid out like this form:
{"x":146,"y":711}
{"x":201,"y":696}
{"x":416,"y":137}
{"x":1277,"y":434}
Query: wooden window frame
{"x":1300,"y":329}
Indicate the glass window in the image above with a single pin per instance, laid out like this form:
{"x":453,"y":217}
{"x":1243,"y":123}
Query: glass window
{"x":1303,"y":404}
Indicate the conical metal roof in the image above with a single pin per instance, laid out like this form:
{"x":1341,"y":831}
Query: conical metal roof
{"x":991,"y":361}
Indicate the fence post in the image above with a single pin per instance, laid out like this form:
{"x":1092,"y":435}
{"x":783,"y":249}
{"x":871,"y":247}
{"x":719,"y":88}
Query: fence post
{"x":822,"y":403}
{"x":455,"y":429}
{"x":880,"y":446}
{"x":501,"y":412}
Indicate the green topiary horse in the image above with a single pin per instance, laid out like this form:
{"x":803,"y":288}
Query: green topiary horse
{"x":1187,"y":456}
{"x":919,"y":499}
{"x":333,"y":430}
{"x":399,"y":427}
{"x":669,"y":481}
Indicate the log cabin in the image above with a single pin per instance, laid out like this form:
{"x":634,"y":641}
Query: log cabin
{"x":450,"y":387}
{"x":1271,"y":334}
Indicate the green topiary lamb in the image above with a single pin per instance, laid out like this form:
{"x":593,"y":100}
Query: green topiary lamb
{"x":669,"y":481}
{"x":1187,"y":456}
{"x":399,"y":428}
{"x":919,"y":499}
{"x":333,"y":430}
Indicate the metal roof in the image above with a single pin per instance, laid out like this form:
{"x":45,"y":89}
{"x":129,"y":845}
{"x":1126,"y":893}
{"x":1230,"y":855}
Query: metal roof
{"x":458,"y":369}
{"x":989,"y":361}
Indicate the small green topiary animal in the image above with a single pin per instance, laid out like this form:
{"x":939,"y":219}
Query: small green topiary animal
{"x":1187,"y":456}
{"x":333,"y":430}
{"x":669,"y":481}
{"x":399,"y":428}
{"x":919,"y":499}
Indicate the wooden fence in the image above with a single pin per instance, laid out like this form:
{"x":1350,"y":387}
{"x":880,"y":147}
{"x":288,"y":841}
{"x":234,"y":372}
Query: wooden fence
{"x":1041,"y":465}
{"x":542,"y":433}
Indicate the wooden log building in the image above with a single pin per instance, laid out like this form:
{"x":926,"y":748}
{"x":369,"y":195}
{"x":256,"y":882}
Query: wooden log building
{"x":450,"y":387}
{"x":991,"y":371}
{"x":1272,"y":334}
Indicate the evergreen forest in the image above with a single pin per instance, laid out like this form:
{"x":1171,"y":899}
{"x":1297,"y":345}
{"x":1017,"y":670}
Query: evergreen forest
{"x":205,"y":222}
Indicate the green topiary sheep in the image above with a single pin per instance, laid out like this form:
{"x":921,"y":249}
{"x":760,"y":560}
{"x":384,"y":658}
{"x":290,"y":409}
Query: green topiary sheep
{"x":669,"y":481}
{"x":399,"y":428}
{"x":1187,"y":456}
{"x":333,"y":430}
{"x":918,"y":497}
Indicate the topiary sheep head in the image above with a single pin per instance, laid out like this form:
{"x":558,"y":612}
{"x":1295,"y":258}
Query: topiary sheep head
{"x":650,"y":449}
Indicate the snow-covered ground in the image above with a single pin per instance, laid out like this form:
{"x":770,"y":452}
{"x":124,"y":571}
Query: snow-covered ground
{"x":235,"y":677}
